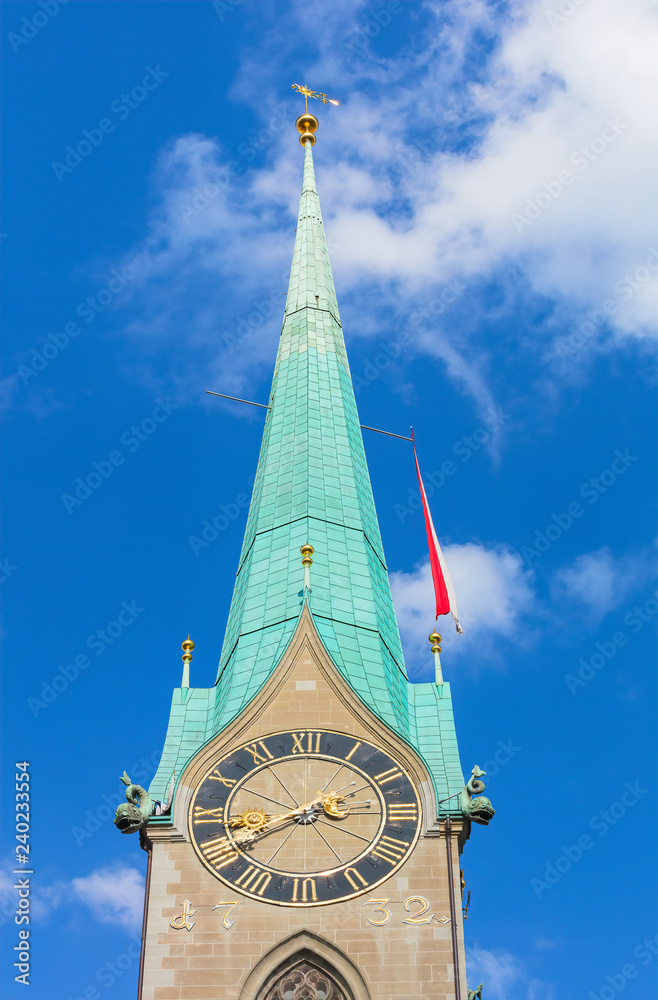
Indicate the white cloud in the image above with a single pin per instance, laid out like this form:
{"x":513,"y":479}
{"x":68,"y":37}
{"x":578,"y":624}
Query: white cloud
{"x":494,"y":594}
{"x":115,"y":895}
{"x":213,"y":263}
{"x":599,"y":582}
{"x":39,"y":401}
{"x":550,"y":92}
{"x":505,"y":976}
{"x":44,"y":899}
{"x":408,"y":206}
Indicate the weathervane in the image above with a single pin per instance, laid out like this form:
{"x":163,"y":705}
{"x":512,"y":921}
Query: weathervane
{"x":313,"y":93}
{"x":307,"y":124}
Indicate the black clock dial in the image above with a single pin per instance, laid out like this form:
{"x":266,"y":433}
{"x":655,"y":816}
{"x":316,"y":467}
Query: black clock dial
{"x":305,"y":817}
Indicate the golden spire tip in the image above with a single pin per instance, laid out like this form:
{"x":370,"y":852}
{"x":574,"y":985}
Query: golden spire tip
{"x":307,"y":124}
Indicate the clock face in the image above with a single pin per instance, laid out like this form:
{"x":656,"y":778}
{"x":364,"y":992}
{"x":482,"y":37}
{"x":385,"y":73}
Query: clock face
{"x":305,"y":818}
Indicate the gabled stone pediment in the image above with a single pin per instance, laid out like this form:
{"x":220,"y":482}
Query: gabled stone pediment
{"x":304,"y":691}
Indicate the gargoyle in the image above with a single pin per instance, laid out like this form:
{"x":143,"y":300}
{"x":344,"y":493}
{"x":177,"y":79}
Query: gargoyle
{"x":474,"y":994}
{"x":478,"y":809}
{"x":134,"y":814}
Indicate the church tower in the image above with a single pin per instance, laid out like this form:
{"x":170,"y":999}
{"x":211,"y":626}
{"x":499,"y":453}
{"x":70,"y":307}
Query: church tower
{"x":305,"y":823}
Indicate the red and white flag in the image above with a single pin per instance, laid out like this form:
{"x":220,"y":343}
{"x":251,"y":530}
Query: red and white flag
{"x":446,"y":602}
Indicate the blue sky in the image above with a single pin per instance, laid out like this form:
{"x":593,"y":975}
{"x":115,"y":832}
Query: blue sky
{"x":489,"y":198}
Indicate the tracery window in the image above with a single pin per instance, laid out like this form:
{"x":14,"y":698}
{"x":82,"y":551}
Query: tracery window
{"x":304,"y":982}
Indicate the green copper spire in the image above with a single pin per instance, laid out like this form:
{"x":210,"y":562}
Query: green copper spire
{"x":312,"y":486}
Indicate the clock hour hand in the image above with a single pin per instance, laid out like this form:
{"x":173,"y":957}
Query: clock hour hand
{"x":257,"y":822}
{"x":252,"y":819}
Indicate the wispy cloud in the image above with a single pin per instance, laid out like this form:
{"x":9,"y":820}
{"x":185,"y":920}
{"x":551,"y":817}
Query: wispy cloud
{"x":505,"y":976}
{"x":495,"y":595}
{"x":44,"y":898}
{"x":115,"y":895}
{"x":469,"y":120}
{"x":425,"y":168}
{"x":598,"y":582}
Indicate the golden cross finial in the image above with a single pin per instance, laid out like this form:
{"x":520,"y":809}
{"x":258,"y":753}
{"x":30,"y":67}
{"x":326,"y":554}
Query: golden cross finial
{"x":313,"y":93}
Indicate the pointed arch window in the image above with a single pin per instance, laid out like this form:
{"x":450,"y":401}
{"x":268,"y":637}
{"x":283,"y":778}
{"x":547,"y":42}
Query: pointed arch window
{"x":303,"y":980}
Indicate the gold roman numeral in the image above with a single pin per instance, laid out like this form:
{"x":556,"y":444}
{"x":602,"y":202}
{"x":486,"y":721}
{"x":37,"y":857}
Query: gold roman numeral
{"x":252,"y":748}
{"x":353,"y":750}
{"x":390,"y":775}
{"x":311,"y":738}
{"x":308,"y":884}
{"x":402,"y":810}
{"x":215,"y":815}
{"x":219,"y":852}
{"x":254,"y":879}
{"x":216,"y":776}
{"x":352,"y":880}
{"x":391,"y":849}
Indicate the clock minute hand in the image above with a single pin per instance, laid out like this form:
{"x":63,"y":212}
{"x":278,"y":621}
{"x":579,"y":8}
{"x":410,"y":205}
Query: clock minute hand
{"x":330,"y":802}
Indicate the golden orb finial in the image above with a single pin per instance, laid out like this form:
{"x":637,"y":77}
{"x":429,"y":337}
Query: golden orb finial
{"x":307,"y":561}
{"x":307,"y":125}
{"x":187,"y":648}
{"x":435,"y":640}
